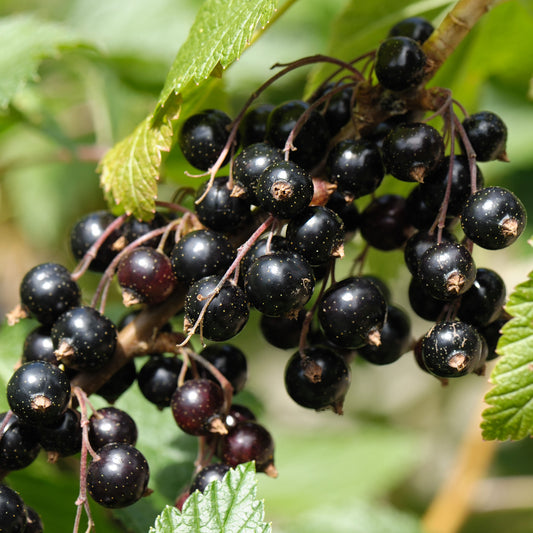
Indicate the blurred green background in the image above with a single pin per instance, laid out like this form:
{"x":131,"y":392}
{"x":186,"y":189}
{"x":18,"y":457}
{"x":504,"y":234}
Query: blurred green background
{"x":377,"y":467}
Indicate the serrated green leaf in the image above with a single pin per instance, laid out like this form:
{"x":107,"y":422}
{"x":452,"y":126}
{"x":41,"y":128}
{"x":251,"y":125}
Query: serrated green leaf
{"x":510,"y":415}
{"x":25,"y":41}
{"x":227,"y":505}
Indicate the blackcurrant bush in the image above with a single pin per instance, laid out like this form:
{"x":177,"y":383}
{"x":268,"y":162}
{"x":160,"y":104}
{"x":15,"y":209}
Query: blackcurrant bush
{"x":446,"y":270}
{"x":226,"y":314}
{"x":84,"y":338}
{"x":38,"y":393}
{"x":451,"y":349}
{"x":417,"y":28}
{"x":47,"y":291}
{"x":158,"y":379}
{"x":208,"y":474}
{"x":279,"y":283}
{"x":119,"y":477}
{"x":493,"y":218}
{"x":326,"y":391}
{"x":352,"y":312}
{"x":13,"y":518}
{"x":400,"y":63}
{"x":203,"y":136}
{"x":487,"y":134}
{"x":229,"y":361}
{"x":19,"y":444}
{"x":201,"y":253}
{"x":64,"y":436}
{"x":412,"y":150}
{"x":111,"y":425}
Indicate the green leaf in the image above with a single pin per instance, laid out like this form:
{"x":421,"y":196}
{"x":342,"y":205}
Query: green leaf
{"x":227,"y":505}
{"x":218,"y":37}
{"x":25,"y":41}
{"x":510,"y":415}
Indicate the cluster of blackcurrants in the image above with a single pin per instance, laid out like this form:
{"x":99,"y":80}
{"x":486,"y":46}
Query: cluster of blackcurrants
{"x":263,"y":236}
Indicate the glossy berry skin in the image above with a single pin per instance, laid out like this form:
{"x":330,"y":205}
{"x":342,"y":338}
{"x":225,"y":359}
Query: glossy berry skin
{"x":346,"y":209}
{"x":400,"y":63}
{"x":493,"y":218}
{"x":47,"y":291}
{"x":118,"y":383}
{"x":254,"y":123}
{"x":417,"y":28}
{"x":34,"y":523}
{"x":203,"y":136}
{"x":219,"y":210}
{"x":227,"y":313}
{"x":384,"y":223}
{"x":412,"y":150}
{"x":418,"y":243}
{"x":419,"y":214}
{"x":284,"y":189}
{"x":87,"y":231}
{"x":338,"y":110}
{"x":133,"y":228}
{"x":260,"y":248}
{"x":250,"y":164}
{"x":208,"y":474}
{"x":492,"y":334}
{"x":395,"y":339}
{"x":84,"y":338}
{"x":63,"y":437}
{"x":201,"y":253}
{"x":317,"y":234}
{"x":19,"y":445}
{"x":38,"y":346}
{"x":446,"y":270}
{"x":248,"y":441}
{"x":238,"y":413}
{"x":329,"y":390}
{"x":487,"y":134}
{"x":158,"y":379}
{"x":281,"y":331}
{"x":434,"y":187}
{"x":145,"y":276}
{"x":352,"y":312}
{"x":424,"y":305}
{"x":310,"y":142}
{"x":111,"y":425}
{"x":38,"y":393}
{"x":119,"y":478}
{"x":279,"y":283}
{"x":356,"y":167}
{"x":229,"y":361}
{"x":483,"y":302}
{"x":451,"y":349}
{"x":197,"y":406}
{"x":13,"y":517}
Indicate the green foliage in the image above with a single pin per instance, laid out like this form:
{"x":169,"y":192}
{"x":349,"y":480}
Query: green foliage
{"x":227,"y":505}
{"x":510,"y":415}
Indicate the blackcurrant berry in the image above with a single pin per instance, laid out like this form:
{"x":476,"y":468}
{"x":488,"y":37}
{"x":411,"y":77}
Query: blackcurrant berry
{"x":197,"y":407}
{"x":352,"y":312}
{"x":417,"y":28}
{"x":487,"y":134}
{"x":203,"y":136}
{"x":226,"y":314}
{"x":119,"y":477}
{"x":254,"y":123}
{"x":64,"y":436}
{"x":208,"y":474}
{"x":451,"y":349}
{"x":229,"y":361}
{"x":446,"y":270}
{"x":418,"y":243}
{"x":134,"y":228}
{"x":38,"y":393}
{"x":492,"y":334}
{"x":346,"y":209}
{"x":400,"y":63}
{"x":38,"y":346}
{"x":111,"y":425}
{"x":118,"y":383}
{"x":158,"y":379}
{"x":84,"y":338}
{"x":19,"y":444}
{"x":279,"y":283}
{"x":282,"y":331}
{"x":34,"y":523}
{"x":262,"y":247}
{"x":13,"y":518}
{"x":201,"y":253}
{"x":326,"y":391}
{"x":47,"y":291}
{"x":493,"y":218}
{"x":422,"y":303}
{"x":412,"y":150}
{"x":338,"y":109}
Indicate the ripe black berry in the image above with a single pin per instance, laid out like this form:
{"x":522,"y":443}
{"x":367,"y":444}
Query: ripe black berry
{"x":34,"y":523}
{"x":326,"y":391}
{"x":118,"y":383}
{"x":400,"y":63}
{"x":229,"y":361}
{"x":64,"y":436}
{"x":487,"y":134}
{"x":208,"y":474}
{"x":451,"y":349}
{"x":279,"y":283}
{"x":119,"y":478}
{"x":418,"y":243}
{"x":38,"y":393}
{"x":226,"y":314}
{"x":38,"y":346}
{"x":424,"y":305}
{"x":417,"y":28}
{"x":346,"y":209}
{"x":47,"y":291}
{"x":253,"y":125}
{"x":13,"y":517}
{"x":412,"y":150}
{"x":282,"y":331}
{"x":197,"y":406}
{"x":203,"y":136}
{"x":201,"y":253}
{"x":352,"y":312}
{"x":84,"y":338}
{"x":493,"y":218}
{"x":446,"y":270}
{"x":158,"y":379}
{"x":262,"y":247}
{"x":134,"y":228}
{"x":284,"y":189}
{"x":111,"y":425}
{"x":19,"y":444}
